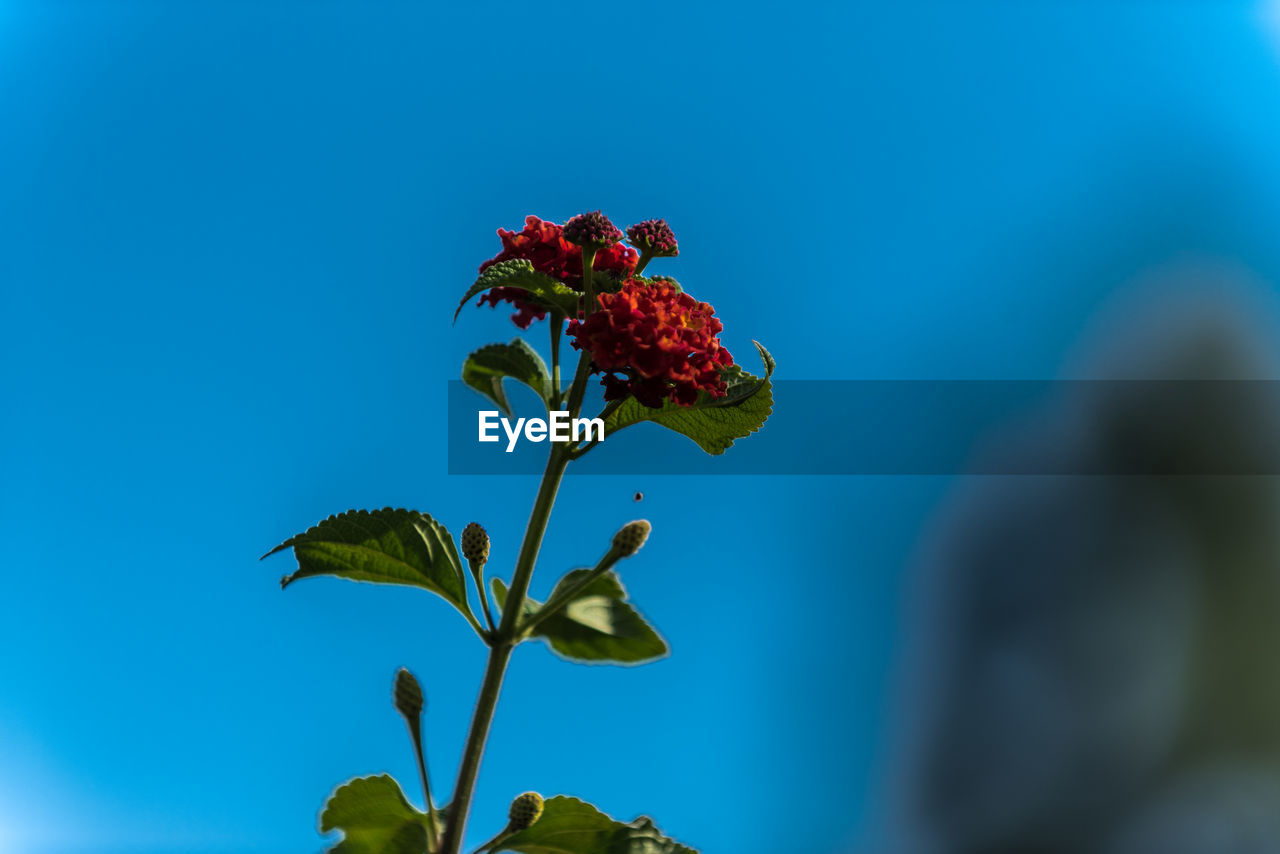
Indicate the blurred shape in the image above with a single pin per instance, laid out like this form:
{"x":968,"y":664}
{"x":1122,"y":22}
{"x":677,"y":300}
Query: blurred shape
{"x":1227,"y":808}
{"x":1096,"y":663}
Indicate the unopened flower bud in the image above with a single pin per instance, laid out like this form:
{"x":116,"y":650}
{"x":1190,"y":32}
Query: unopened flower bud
{"x":525,"y":810}
{"x":475,"y":544}
{"x":632,"y":536}
{"x":407,"y":695}
{"x":655,"y":237}
{"x":591,"y":230}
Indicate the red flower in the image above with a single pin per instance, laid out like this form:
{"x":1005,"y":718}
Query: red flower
{"x":591,"y":230}
{"x":654,"y":236}
{"x":663,"y":342}
{"x":542,"y":244}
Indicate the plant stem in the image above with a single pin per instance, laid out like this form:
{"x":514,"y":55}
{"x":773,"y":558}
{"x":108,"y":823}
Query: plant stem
{"x":556,"y":464}
{"x":581,"y":450}
{"x":589,"y":293}
{"x":504,"y":640}
{"x":415,"y":733}
{"x":579,"y":388}
{"x":646,"y":255}
{"x":477,"y":573}
{"x":495,"y":669}
{"x":500,"y":653}
{"x":557,"y":321}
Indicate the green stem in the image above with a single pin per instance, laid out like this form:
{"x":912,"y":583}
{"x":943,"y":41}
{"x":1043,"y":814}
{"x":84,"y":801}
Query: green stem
{"x":579,"y":388}
{"x":493,"y":843}
{"x":557,"y":321}
{"x":433,"y":824}
{"x":500,"y":653}
{"x":477,"y":573}
{"x":588,"y":259}
{"x":503,"y":641}
{"x":490,"y":688}
{"x":556,"y":464}
{"x":645,"y":257}
{"x":609,"y":409}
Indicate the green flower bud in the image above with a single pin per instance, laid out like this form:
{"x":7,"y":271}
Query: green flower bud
{"x":525,"y":810}
{"x":475,"y":544}
{"x":632,"y":536}
{"x":407,"y":695}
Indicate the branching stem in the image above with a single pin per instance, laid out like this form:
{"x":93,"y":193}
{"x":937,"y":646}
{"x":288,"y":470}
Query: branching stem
{"x":503,"y":643}
{"x":504,"y":640}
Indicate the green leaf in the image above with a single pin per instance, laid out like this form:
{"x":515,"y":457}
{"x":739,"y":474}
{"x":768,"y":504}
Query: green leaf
{"x":518,"y":273}
{"x":375,"y":818}
{"x":383,"y":546}
{"x":712,"y":422}
{"x":597,"y":625}
{"x":486,"y":368}
{"x":570,"y":826}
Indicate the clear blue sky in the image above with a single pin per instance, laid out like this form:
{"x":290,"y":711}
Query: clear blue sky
{"x":231,"y":239}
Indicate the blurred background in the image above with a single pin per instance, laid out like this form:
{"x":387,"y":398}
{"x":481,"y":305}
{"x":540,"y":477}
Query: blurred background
{"x":231,"y":239}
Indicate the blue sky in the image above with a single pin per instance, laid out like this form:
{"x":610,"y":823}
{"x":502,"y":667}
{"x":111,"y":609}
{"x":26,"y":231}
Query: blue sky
{"x":232,"y":239}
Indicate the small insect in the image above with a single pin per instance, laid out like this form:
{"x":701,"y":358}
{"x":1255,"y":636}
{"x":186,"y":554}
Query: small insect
{"x":639,"y":496}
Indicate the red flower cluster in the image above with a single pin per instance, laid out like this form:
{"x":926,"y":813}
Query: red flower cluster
{"x":655,"y":237}
{"x":543,"y":245}
{"x":663,"y":342}
{"x":592,"y":230}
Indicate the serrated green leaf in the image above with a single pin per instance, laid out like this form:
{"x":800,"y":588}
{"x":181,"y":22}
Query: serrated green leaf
{"x":571,"y":826}
{"x":518,"y":273}
{"x":486,"y":368}
{"x":388,"y":546}
{"x":375,"y":818}
{"x":712,"y":422}
{"x":598,"y":625}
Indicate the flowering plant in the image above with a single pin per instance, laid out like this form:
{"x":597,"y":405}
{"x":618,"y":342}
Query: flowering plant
{"x":659,"y":357}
